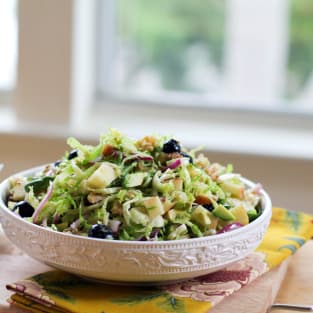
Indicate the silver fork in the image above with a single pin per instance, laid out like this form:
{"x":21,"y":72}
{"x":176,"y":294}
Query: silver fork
{"x":290,"y":307}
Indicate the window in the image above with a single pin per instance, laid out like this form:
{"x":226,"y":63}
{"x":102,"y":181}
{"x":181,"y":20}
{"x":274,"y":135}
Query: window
{"x":253,"y":55}
{"x":256,"y":54}
{"x":8,"y":50}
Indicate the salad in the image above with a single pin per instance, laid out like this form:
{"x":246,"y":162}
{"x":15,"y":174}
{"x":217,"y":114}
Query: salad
{"x":121,"y":189}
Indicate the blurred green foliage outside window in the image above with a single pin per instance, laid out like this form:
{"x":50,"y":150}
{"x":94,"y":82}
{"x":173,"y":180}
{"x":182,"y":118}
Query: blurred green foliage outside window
{"x":163,"y":38}
{"x":181,"y":46}
{"x":300,"y":63}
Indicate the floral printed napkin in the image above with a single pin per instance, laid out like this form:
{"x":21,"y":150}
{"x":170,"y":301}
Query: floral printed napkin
{"x":57,"y":291}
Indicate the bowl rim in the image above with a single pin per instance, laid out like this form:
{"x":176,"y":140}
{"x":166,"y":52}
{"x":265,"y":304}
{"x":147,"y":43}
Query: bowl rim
{"x":266,"y":204}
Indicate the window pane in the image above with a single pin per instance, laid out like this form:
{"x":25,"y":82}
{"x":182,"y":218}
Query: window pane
{"x":8,"y":46}
{"x":299,"y":85}
{"x":170,"y":45}
{"x":245,"y":53}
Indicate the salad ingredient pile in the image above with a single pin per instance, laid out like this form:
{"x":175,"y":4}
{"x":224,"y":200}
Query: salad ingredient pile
{"x":149,"y":189}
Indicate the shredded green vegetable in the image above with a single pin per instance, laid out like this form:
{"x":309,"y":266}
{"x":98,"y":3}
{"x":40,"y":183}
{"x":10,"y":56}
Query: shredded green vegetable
{"x":149,"y":189}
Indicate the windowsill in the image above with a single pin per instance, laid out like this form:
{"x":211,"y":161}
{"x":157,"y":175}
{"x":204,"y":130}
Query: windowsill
{"x":255,"y":133}
{"x":220,"y":131}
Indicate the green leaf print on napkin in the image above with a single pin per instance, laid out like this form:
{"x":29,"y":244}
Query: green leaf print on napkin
{"x":166,"y":302}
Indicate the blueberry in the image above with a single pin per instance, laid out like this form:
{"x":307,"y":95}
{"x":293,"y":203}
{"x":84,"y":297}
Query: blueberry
{"x":185,"y":155}
{"x":72,"y":155}
{"x":171,"y":146}
{"x":24,"y":209}
{"x":100,"y":231}
{"x":209,"y":207}
{"x":57,"y":163}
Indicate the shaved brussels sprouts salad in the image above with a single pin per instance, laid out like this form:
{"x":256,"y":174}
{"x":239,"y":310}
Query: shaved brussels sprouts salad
{"x":149,"y":189}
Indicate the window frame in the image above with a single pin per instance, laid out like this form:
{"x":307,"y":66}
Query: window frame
{"x":5,"y":97}
{"x":6,"y":92}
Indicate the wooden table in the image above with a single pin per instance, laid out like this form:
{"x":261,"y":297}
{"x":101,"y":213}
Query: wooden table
{"x":293,"y":279}
{"x":298,"y":284}
{"x":291,"y":283}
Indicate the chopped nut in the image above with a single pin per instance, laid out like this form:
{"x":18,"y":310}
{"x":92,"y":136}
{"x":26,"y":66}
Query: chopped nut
{"x":17,"y":193}
{"x":202,"y":161}
{"x":94,"y":198}
{"x":117,"y":208}
{"x":107,"y":150}
{"x":147,"y":143}
{"x":203,"y":199}
{"x":213,"y":171}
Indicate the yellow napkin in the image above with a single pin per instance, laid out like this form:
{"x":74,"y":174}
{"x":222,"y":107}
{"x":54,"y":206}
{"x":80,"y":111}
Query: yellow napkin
{"x":57,"y":291}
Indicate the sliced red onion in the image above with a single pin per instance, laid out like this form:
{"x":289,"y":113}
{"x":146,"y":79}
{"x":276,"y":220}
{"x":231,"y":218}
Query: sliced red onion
{"x":145,"y":158}
{"x":114,"y":224}
{"x":257,"y":188}
{"x":19,"y":287}
{"x":142,"y":157}
{"x":154,"y":233}
{"x":116,"y":154}
{"x":152,"y":237}
{"x":49,"y":173}
{"x":56,"y":218}
{"x":230,"y":227}
{"x":42,"y":204}
{"x":174,"y":164}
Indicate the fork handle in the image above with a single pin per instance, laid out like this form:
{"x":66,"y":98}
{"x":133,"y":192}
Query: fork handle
{"x":292,"y":307}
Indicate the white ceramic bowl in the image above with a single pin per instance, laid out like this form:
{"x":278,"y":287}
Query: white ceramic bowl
{"x":131,"y":261}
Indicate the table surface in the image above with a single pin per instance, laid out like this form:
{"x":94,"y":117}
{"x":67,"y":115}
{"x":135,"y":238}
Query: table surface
{"x":297,"y":286}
